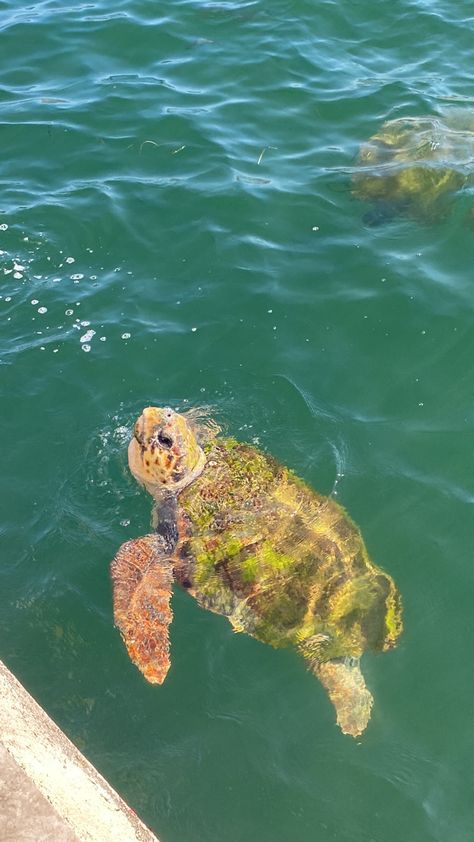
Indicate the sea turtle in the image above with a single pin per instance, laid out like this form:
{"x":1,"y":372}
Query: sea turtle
{"x":414,"y":165}
{"x":250,"y":540}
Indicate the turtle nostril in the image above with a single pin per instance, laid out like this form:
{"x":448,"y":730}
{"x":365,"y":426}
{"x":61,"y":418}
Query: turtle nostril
{"x":164,"y":440}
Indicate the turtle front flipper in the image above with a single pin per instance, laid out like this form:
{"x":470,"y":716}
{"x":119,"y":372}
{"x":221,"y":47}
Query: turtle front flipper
{"x":142,"y":576}
{"x":346,"y":688}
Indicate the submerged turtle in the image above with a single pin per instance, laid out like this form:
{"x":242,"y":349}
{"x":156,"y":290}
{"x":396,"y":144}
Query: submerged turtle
{"x":414,"y":165}
{"x":249,"y":540}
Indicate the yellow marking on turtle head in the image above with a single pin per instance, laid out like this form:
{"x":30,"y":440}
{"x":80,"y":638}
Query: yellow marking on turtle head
{"x":164,"y":452}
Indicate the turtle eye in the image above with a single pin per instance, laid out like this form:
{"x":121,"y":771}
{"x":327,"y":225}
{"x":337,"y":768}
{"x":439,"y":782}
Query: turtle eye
{"x":164,"y":440}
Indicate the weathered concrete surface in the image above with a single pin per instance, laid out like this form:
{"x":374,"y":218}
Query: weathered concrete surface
{"x":25,"y":814}
{"x":49,"y":792}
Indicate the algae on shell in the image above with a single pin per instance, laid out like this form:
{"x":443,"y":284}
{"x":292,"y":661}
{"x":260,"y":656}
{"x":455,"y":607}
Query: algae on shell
{"x":414,"y":166}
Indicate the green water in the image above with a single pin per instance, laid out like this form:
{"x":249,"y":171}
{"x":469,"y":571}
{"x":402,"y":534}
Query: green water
{"x":176,"y":178}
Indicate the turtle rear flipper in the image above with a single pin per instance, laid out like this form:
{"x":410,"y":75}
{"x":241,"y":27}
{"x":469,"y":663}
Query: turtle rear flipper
{"x":346,"y":688}
{"x":142,"y":577}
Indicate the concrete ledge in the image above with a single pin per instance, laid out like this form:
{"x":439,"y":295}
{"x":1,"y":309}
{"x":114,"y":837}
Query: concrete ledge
{"x":48,"y":790}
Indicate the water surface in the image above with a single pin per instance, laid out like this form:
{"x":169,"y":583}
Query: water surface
{"x":177,"y":226}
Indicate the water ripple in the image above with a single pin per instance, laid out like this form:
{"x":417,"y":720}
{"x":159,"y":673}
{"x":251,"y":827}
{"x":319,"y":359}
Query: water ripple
{"x":177,"y":226}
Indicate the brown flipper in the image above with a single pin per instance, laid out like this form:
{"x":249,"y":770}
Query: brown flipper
{"x":346,"y":688}
{"x":142,"y":577}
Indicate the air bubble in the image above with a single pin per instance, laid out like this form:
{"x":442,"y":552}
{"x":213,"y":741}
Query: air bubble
{"x":87,"y":336}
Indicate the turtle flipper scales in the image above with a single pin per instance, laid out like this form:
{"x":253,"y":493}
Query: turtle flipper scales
{"x":142,"y":576}
{"x":347,"y":690}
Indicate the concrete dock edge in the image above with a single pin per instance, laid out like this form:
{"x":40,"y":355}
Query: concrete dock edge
{"x":46,"y":782}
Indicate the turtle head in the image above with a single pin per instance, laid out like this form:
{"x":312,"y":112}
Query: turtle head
{"x":164,"y":454}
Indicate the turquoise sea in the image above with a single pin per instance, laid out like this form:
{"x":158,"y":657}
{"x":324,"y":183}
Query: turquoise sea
{"x":177,"y":227}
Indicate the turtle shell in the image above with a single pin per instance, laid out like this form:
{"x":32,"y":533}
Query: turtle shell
{"x":282,"y":562}
{"x":413,"y":165}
